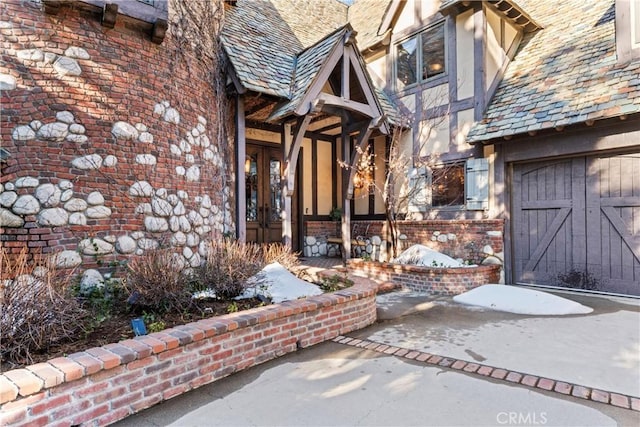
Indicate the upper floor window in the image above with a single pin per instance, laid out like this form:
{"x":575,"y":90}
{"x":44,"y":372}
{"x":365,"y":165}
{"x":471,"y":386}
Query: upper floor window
{"x":635,"y":23}
{"x":627,"y":16}
{"x":158,"y":4}
{"x":420,"y":57}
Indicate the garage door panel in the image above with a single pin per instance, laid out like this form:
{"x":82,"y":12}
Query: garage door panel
{"x":543,"y":253}
{"x":579,"y":215}
{"x":548,"y":182}
{"x":615,"y":201}
{"x":622,"y":244}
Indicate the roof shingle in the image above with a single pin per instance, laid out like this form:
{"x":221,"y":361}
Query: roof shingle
{"x":277,"y":47}
{"x":564,"y":74}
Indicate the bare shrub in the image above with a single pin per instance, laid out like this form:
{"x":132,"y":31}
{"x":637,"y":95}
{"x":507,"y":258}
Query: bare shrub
{"x":37,"y":308}
{"x":156,"y":281}
{"x":277,"y":252}
{"x":228,"y":265}
{"x":577,"y":279}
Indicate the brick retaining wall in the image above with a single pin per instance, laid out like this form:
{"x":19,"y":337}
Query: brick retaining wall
{"x":440,"y":281}
{"x":465,"y":239}
{"x":102,"y":385}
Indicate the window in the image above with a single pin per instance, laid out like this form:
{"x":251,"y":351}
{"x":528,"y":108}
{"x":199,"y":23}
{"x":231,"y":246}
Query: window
{"x":433,"y":52}
{"x":457,"y":184}
{"x":407,"y":62}
{"x":158,"y":4}
{"x":627,"y":16}
{"x":420,"y":57}
{"x":635,"y":24}
{"x":447,"y":185}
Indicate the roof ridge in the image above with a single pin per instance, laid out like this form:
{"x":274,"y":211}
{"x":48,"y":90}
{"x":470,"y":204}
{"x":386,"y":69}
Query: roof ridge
{"x":337,"y":30}
{"x":294,"y":74}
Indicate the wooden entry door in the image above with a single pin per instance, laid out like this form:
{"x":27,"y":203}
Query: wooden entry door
{"x":576,"y":223}
{"x":263,"y":193}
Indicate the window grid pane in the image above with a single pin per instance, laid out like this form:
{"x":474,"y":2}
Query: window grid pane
{"x":433,"y":55}
{"x":448,"y":185}
{"x":407,"y":62}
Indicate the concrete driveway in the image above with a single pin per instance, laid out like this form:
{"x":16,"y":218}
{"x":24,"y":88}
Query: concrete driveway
{"x":334,"y":384}
{"x":600,"y":350}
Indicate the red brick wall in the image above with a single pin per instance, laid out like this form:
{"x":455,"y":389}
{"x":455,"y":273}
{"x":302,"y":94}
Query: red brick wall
{"x":322,"y":228}
{"x":437,"y":281}
{"x":471,"y":236}
{"x":105,"y":384}
{"x":124,"y":79}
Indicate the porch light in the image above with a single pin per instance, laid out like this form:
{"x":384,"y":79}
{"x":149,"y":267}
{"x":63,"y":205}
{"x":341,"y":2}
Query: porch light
{"x":358,"y":181}
{"x":247,"y":166}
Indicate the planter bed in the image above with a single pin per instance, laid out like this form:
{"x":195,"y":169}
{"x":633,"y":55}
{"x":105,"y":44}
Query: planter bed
{"x":434,"y":280}
{"x":104,"y":384}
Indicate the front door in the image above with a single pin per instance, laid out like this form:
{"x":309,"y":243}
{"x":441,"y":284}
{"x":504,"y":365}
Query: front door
{"x":263,"y":171}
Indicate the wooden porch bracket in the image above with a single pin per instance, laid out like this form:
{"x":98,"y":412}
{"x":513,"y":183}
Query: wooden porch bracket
{"x":292,"y":157}
{"x":109,"y":15}
{"x":51,"y":7}
{"x":291,"y":162}
{"x":158,"y":31}
{"x":329,"y":100}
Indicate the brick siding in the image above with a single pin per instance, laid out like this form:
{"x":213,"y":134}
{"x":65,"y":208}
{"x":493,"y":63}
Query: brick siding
{"x":105,"y":384}
{"x":124,"y":78}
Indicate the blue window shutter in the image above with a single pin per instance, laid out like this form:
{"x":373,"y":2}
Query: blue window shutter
{"x":477,"y":184}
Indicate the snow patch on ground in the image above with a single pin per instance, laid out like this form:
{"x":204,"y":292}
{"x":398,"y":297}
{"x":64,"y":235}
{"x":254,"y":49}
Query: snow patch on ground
{"x":520,"y":301}
{"x":427,"y":257}
{"x":276,"y":282}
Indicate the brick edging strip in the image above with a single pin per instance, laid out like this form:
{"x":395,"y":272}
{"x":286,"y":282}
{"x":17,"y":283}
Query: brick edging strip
{"x":513,"y":377}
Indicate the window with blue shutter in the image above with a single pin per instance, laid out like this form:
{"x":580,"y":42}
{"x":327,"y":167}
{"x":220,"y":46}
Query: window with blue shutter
{"x":477,"y":184}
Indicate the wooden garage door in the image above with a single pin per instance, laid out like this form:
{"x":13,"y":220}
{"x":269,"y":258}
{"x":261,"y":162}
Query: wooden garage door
{"x":576,"y":223}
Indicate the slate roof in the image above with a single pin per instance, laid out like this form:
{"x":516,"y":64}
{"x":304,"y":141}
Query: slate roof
{"x":262,"y":38}
{"x":366,"y":17}
{"x":260,"y":46}
{"x":565,"y":73}
{"x":277,"y":47}
{"x":307,"y":65}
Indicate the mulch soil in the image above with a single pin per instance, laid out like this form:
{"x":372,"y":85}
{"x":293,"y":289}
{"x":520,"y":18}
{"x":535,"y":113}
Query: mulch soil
{"x":118,"y":327}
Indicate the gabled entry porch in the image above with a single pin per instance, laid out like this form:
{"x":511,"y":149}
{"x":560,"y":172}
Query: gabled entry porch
{"x":290,"y":151}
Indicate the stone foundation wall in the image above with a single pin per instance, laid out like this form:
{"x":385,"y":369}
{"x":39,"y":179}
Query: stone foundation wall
{"x":115,"y":143}
{"x":102,"y":385}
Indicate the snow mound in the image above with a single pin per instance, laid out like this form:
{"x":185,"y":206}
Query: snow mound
{"x":279,"y":284}
{"x":427,"y":257}
{"x":520,"y":301}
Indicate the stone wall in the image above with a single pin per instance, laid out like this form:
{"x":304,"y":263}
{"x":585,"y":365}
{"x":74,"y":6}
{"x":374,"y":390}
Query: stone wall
{"x":116,"y":144}
{"x":104,"y":384}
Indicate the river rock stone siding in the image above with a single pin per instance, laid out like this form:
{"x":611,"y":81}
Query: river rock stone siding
{"x":114,"y":142}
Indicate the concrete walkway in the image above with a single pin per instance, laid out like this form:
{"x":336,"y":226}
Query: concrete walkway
{"x":336,"y":385}
{"x":431,"y":362}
